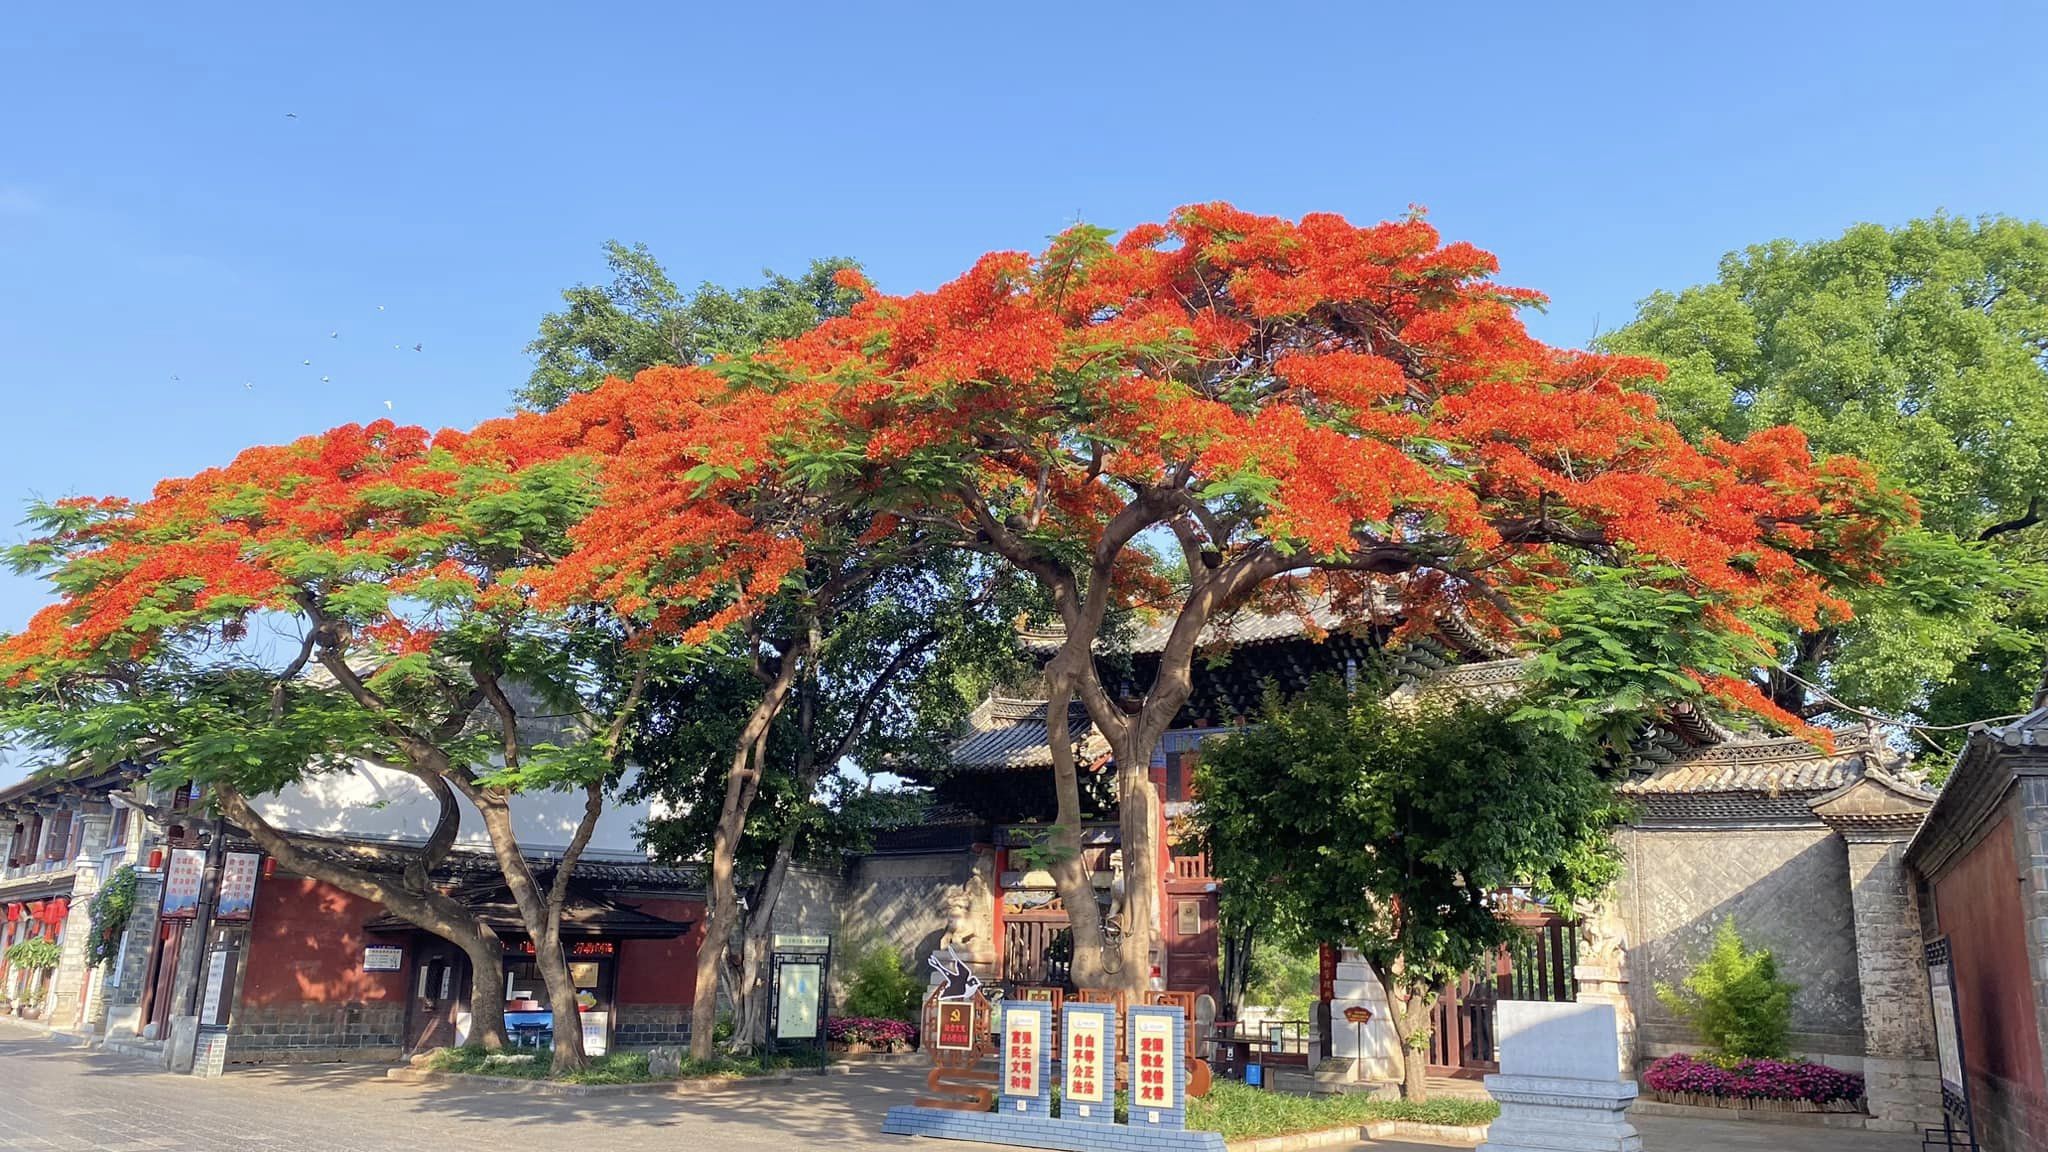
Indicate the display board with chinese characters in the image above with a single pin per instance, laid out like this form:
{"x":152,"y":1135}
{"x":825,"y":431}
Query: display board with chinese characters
{"x":237,"y":885}
{"x":1027,"y":1087}
{"x":1088,"y":1065}
{"x":183,"y":876}
{"x":1158,"y":1066}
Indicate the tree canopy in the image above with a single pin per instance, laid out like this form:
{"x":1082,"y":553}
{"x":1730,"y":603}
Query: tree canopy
{"x":642,"y":319}
{"x":1923,"y":350}
{"x":1397,"y":828}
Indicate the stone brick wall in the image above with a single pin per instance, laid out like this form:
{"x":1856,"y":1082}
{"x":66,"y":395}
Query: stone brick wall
{"x":636,"y":1026}
{"x":920,"y":902}
{"x":1786,"y":888}
{"x":308,"y":1033}
{"x":1901,"y":1081}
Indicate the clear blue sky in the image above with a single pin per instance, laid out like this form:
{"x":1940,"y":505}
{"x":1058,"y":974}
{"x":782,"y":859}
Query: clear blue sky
{"x":168,"y":235}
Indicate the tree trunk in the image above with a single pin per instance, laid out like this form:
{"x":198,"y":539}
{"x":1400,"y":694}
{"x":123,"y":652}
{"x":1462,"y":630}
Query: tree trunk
{"x":1139,"y":829}
{"x":742,"y":781}
{"x":543,"y":927}
{"x":1410,"y":1009}
{"x":750,"y":985}
{"x":1069,"y":866}
{"x":429,"y":908}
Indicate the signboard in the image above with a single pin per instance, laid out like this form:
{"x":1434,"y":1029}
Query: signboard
{"x":1326,"y":972}
{"x":577,"y":948}
{"x":956,"y":1025}
{"x":1151,"y":1061}
{"x":237,"y":885}
{"x":1087,"y":1046}
{"x":803,"y":942}
{"x":383,"y":958}
{"x":1948,"y":1043}
{"x":1023,"y":1044}
{"x":213,"y":1007}
{"x":799,"y":988}
{"x":183,"y":875}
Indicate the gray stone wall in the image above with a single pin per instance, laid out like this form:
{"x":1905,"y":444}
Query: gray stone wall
{"x":311,"y":1033}
{"x":638,"y":1026}
{"x":1786,"y":887}
{"x":919,"y":902}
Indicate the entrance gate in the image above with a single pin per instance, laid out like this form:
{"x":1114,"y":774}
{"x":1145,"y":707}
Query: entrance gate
{"x":1536,"y":967}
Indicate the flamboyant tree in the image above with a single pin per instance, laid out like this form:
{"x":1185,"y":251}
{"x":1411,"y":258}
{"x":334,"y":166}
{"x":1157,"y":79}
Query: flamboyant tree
{"x":1229,"y":408}
{"x":360,"y":595}
{"x":702,"y":533}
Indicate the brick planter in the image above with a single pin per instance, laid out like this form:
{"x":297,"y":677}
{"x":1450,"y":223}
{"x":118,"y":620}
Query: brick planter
{"x":1752,"y":1103}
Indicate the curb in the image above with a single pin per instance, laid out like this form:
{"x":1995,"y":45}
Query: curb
{"x":1841,"y":1121}
{"x":691,"y":1087}
{"x":1377,"y":1130}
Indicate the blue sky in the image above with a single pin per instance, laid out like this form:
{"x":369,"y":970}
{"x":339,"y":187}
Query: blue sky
{"x":173,"y":246}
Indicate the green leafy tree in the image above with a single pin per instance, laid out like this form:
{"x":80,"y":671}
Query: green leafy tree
{"x":1392,"y":829}
{"x":1734,"y":999}
{"x":642,"y":319}
{"x":1924,"y":350}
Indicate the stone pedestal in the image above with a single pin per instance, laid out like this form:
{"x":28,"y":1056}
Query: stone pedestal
{"x":1559,"y":1085}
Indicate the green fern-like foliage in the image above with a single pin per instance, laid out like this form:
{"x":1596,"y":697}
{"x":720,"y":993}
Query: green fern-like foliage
{"x":1734,"y":999}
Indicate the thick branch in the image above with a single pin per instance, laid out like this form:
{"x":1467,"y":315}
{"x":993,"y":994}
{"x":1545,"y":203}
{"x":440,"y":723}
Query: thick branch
{"x":2032,"y":517}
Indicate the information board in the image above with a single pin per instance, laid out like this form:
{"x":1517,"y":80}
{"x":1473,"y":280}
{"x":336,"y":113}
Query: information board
{"x":1152,"y":1048}
{"x":383,"y":958}
{"x":956,"y":1025}
{"x":1023,"y":1043}
{"x":1086,"y":1044}
{"x":237,"y":885}
{"x":183,"y":874}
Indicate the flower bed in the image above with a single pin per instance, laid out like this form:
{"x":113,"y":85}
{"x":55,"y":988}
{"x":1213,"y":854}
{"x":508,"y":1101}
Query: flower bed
{"x":870,"y":1034}
{"x":1764,"y":1085}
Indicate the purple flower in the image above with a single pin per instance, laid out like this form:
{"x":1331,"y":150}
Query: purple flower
{"x":1756,"y":1079}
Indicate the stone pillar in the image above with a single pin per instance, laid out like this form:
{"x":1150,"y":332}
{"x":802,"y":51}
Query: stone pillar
{"x":1876,"y":818}
{"x":1558,"y":1087}
{"x":1602,"y":973}
{"x":68,"y":983}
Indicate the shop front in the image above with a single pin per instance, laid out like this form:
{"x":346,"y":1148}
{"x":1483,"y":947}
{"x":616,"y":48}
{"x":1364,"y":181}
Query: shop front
{"x":596,"y":935}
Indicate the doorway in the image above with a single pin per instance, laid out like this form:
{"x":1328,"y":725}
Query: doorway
{"x":439,"y":994}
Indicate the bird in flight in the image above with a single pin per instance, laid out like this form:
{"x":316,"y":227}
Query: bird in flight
{"x":323,"y":379}
{"x":308,"y":362}
{"x":291,"y":115}
{"x":334,"y":335}
{"x":380,"y":307}
{"x":418,"y":348}
{"x":248,"y":383}
{"x":387,"y":403}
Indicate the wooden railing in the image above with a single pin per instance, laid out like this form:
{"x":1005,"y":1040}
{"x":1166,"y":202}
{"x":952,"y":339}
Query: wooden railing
{"x":1191,"y":867}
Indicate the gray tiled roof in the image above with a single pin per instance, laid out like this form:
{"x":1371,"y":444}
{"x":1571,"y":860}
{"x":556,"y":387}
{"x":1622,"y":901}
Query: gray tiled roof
{"x":1762,"y":766}
{"x":1150,"y":634}
{"x":1007,"y":733}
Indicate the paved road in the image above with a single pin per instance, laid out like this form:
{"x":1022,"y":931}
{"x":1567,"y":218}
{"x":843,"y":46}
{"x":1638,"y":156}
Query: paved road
{"x":56,"y":1096}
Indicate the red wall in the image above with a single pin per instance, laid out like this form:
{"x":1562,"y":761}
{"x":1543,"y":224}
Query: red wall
{"x":1978,"y":907}
{"x":306,"y":946}
{"x":661,"y":971}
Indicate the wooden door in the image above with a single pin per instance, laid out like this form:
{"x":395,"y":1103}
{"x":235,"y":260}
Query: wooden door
{"x":440,"y":987}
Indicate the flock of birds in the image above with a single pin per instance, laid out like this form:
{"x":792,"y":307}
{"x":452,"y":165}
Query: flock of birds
{"x":334,"y":334}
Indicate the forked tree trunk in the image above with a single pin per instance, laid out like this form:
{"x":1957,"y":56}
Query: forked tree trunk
{"x":426,"y":907}
{"x":543,"y":927}
{"x":742,"y":782}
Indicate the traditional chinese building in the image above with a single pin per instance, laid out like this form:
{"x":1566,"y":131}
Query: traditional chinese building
{"x":70,"y":832}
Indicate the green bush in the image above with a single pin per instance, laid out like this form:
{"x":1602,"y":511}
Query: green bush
{"x":1734,"y":1000}
{"x":32,"y":955}
{"x":880,"y":985}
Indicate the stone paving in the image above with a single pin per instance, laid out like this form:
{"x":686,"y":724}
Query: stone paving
{"x":54,"y":1095}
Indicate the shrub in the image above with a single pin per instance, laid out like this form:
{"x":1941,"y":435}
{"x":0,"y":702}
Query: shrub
{"x":880,"y":987}
{"x":1734,"y":999}
{"x":1754,"y":1079}
{"x":110,"y":911}
{"x":32,"y":955}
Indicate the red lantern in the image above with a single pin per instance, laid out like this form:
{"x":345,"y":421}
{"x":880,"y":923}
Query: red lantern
{"x":156,"y":859}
